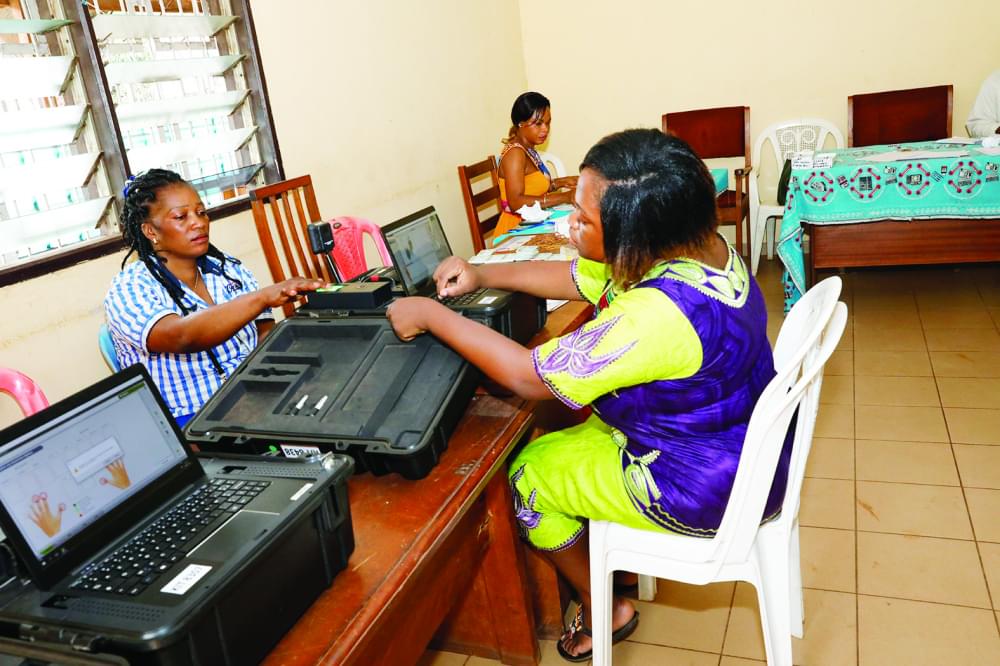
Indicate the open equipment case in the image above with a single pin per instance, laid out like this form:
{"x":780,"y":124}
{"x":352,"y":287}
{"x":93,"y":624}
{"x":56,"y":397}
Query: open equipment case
{"x":342,"y":384}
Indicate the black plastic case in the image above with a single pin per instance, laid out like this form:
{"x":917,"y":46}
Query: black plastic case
{"x":252,"y":610}
{"x":347,"y":385}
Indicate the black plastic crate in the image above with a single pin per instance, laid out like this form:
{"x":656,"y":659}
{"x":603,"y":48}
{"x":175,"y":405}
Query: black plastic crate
{"x":347,"y":385}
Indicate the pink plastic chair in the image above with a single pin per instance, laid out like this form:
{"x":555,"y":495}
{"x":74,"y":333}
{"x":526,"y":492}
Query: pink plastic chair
{"x":349,"y":245}
{"x":24,"y":391}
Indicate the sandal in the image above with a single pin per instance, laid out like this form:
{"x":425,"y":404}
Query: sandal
{"x":577,"y":626}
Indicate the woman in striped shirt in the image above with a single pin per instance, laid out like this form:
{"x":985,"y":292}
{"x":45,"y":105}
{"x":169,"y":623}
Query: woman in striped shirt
{"x":185,"y":310}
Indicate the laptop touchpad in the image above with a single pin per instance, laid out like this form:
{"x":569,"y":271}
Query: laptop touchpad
{"x":245,"y":527}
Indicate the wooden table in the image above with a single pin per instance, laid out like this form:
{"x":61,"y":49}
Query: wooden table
{"x":440,"y":556}
{"x":900,"y":243}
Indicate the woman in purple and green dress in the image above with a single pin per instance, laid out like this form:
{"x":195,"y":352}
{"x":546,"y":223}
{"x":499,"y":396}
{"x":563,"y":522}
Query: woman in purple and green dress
{"x":671,"y":364}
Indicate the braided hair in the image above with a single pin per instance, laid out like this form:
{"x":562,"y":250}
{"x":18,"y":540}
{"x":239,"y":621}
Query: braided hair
{"x":139,"y":193}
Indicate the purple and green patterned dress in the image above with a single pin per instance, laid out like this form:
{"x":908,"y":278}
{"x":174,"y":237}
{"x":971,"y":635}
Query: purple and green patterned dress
{"x":672,"y":369}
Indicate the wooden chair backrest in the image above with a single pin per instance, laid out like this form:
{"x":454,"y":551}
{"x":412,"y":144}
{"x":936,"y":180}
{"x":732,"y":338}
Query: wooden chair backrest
{"x":292,"y":205}
{"x":899,"y":116}
{"x":712,"y":133}
{"x":480,"y":227}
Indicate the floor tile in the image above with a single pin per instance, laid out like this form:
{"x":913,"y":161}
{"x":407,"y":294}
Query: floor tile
{"x":831,"y":458}
{"x":915,"y":424}
{"x":631,"y":653}
{"x":915,"y":633}
{"x":886,"y":319}
{"x":903,"y":391}
{"x":903,"y":508}
{"x":830,"y":628}
{"x":949,"y":298}
{"x":740,"y":661}
{"x":995,"y":315}
{"x":984,"y":507}
{"x":872,"y":338}
{"x":685,"y":616}
{"x":906,"y":462}
{"x":877,"y":301}
{"x":892,"y":364}
{"x":921,"y":568}
{"x":840,"y":363}
{"x":847,"y":339}
{"x":963,"y":339}
{"x":950,"y":318}
{"x":966,"y":364}
{"x":835,"y":421}
{"x":827,"y":503}
{"x":828,"y":559}
{"x":973,"y":426}
{"x":837,"y":390}
{"x":968,"y":392}
{"x":438,"y":658}
{"x":990,"y":552}
{"x":979,"y":466}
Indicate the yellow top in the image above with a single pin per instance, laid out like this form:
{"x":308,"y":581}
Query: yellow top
{"x":536,"y":184}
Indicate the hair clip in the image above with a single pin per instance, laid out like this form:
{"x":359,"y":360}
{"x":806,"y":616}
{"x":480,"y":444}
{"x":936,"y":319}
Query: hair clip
{"x":131,"y":179}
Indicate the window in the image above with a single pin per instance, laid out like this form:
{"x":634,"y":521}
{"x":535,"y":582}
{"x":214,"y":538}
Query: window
{"x":92,"y":92}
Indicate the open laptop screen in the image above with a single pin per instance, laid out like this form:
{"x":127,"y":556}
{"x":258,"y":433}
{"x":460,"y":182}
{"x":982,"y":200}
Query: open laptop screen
{"x":417,"y":244}
{"x":65,"y":474}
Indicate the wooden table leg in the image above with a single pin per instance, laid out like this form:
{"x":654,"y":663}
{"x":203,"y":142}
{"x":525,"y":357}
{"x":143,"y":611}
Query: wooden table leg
{"x":496,"y":619}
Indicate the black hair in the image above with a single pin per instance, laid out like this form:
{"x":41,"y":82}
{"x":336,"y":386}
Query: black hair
{"x":659,"y":198}
{"x":527,"y":106}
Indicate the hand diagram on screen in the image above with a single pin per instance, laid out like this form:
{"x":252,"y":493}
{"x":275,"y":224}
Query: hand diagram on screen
{"x":42,"y":515}
{"x":119,"y":475}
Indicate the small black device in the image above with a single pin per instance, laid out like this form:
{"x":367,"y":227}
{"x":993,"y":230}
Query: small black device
{"x":321,"y":243}
{"x":350,"y":296}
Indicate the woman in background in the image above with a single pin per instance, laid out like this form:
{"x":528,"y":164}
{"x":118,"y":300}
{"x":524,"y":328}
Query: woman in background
{"x":524,"y":178}
{"x":185,"y":310}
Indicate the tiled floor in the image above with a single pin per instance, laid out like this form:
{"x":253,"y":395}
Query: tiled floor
{"x":901,"y":505}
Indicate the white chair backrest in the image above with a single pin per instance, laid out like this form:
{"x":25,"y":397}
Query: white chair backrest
{"x":555,"y":165}
{"x":790,"y":136}
{"x":816,"y":305}
{"x":796,"y":387}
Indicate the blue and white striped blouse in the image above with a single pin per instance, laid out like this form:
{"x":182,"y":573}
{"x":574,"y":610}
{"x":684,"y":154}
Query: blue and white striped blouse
{"x":136,"y":301}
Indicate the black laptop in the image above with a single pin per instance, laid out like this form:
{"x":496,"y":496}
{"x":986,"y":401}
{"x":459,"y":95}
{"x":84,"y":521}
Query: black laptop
{"x":417,"y":244}
{"x":131,"y":541}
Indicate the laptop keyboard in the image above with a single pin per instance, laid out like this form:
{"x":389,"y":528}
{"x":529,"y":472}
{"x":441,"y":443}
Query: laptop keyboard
{"x":137,"y":564}
{"x":464,"y":299}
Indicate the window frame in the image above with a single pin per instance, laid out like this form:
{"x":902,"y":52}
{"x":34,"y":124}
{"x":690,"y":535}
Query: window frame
{"x":105,"y":121}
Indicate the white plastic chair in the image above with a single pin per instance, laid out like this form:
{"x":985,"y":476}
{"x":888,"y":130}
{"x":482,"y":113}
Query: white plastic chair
{"x":767,"y":556}
{"x":786,"y":137}
{"x":555,"y":165}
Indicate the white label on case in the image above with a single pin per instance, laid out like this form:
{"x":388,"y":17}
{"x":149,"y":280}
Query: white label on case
{"x":486,"y":300}
{"x":299,"y":451}
{"x":186,"y":579}
{"x":301,"y":491}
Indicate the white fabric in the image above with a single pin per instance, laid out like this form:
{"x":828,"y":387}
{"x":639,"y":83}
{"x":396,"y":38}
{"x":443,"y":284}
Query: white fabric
{"x":984,"y":119}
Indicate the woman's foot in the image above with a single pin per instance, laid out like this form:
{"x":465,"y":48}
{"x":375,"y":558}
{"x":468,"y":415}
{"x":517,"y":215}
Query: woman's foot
{"x":577,"y":641}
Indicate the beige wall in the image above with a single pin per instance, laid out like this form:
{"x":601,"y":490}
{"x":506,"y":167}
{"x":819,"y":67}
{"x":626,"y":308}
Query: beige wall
{"x":611,"y":65}
{"x":380,"y":100}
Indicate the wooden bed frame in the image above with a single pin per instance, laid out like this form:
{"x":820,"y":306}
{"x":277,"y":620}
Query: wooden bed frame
{"x":901,"y":243}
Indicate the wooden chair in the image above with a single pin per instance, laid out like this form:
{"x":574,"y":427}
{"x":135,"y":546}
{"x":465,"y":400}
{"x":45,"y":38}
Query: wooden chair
{"x":899,"y":116}
{"x":488,"y":198}
{"x":717,"y":133}
{"x":287,"y":222}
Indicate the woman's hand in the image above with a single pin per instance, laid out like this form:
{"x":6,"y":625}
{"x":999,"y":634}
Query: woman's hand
{"x":289,"y":290}
{"x":565,"y":181}
{"x":455,"y":277}
{"x":408,"y":316}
